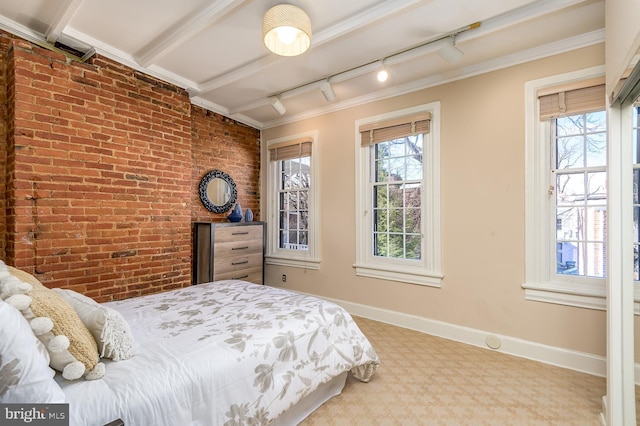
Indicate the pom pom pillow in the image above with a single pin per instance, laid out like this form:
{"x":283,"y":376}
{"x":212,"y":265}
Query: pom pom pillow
{"x":25,"y":375}
{"x":25,"y":277}
{"x":109,"y":329}
{"x":82,"y":347}
{"x":72,"y":348}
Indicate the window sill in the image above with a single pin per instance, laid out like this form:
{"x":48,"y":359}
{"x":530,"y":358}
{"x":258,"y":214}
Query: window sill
{"x":292,"y":262}
{"x":590,"y":296}
{"x":406,"y":275}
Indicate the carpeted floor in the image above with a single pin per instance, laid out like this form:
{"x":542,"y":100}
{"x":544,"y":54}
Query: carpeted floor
{"x":426,"y":380}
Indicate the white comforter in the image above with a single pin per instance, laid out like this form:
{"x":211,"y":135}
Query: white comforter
{"x":223,"y":353}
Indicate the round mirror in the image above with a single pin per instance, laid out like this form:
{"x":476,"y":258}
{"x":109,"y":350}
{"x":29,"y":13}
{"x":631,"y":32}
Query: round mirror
{"x":217,"y":191}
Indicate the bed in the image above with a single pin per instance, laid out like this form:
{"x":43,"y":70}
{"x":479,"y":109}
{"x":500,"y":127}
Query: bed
{"x":224,"y":353}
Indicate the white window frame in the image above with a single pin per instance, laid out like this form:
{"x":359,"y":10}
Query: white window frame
{"x":541,"y":283}
{"x":426,"y":271}
{"x":307,"y":259}
{"x":627,"y":113}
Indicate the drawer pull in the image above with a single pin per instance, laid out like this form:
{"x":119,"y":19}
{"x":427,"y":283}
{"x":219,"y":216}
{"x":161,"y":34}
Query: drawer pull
{"x":240,"y":263}
{"x":240,"y":233}
{"x":240,"y":248}
{"x":239,"y":278}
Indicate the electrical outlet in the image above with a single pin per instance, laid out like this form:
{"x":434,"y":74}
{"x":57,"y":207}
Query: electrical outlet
{"x":284,"y":278}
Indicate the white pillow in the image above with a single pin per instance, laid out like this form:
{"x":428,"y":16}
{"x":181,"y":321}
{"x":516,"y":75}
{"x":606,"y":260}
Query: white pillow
{"x":25,"y":375}
{"x":110,"y":330}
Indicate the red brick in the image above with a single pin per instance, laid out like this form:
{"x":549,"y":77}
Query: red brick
{"x":113,"y":157}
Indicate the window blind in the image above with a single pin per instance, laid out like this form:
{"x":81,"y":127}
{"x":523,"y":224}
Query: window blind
{"x":387,"y":130}
{"x":576,"y":98}
{"x":291,"y":149}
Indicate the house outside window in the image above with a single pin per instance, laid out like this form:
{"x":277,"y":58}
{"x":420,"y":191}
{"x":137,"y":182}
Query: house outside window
{"x":294,"y":181}
{"x":292,"y":206}
{"x":566,"y":189}
{"x":579,"y":147}
{"x":398,"y":196}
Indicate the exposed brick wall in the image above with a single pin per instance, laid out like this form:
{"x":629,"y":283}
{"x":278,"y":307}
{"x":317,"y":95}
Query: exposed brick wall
{"x":101,"y":163}
{"x":224,"y":144}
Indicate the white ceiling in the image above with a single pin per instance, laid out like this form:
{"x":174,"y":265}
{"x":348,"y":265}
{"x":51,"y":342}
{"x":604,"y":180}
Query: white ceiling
{"x":213,"y":48}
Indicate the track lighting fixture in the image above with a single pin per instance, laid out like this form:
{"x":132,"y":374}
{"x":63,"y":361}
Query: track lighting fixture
{"x":444,"y":45}
{"x":277,"y":105}
{"x":327,"y":91}
{"x":449,"y":51}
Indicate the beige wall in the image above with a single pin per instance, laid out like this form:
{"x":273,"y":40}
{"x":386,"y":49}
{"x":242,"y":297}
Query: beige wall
{"x":623,"y":37}
{"x":482,"y":163}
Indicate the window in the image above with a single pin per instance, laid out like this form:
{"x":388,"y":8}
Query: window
{"x":566,"y":189}
{"x":397,"y":188}
{"x":397,"y":208}
{"x":294,"y":179}
{"x":579,"y":145}
{"x":292,"y":208}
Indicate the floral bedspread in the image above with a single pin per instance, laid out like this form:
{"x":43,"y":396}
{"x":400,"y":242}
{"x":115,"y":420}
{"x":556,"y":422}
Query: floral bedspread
{"x":228,"y":352}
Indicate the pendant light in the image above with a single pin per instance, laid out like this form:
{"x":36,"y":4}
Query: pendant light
{"x":286,"y":30}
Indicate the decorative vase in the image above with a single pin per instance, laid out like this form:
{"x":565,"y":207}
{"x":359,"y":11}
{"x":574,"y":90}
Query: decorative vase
{"x":236,"y":214}
{"x":248,"y":215}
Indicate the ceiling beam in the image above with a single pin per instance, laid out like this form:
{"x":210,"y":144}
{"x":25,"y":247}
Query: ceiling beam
{"x":520,"y":15}
{"x":62,"y":19}
{"x":188,"y":28}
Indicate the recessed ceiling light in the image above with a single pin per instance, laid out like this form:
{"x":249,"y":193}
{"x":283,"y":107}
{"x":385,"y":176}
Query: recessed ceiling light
{"x":383,"y":75}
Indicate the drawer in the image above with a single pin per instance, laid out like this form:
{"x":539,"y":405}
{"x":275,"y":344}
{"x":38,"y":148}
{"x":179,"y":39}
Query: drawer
{"x":225,"y":234}
{"x":229,"y":249}
{"x":237,"y":263}
{"x":252,"y":275}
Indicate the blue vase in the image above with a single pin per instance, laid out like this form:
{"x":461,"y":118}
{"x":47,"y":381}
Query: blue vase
{"x":248,"y":215}
{"x":236,"y":214}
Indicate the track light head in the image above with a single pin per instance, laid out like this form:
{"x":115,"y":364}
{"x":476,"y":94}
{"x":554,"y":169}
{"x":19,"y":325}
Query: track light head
{"x":450,"y":52}
{"x":277,"y":105}
{"x":327,"y":91}
{"x":382,"y":75}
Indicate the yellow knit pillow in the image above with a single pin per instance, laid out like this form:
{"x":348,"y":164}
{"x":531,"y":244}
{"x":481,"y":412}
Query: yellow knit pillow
{"x":71,"y":346}
{"x":66,"y":322}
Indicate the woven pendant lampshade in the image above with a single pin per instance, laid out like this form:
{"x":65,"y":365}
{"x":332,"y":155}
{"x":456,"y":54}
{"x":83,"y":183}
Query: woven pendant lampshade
{"x":286,"y":30}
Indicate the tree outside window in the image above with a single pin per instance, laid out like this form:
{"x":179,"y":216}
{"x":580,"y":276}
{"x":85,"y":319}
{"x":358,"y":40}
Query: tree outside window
{"x":581,"y":194}
{"x":397,"y":194}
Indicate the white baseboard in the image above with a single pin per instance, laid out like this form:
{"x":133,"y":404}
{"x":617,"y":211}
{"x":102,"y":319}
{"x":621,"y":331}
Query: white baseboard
{"x":579,"y":361}
{"x":565,"y":358}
